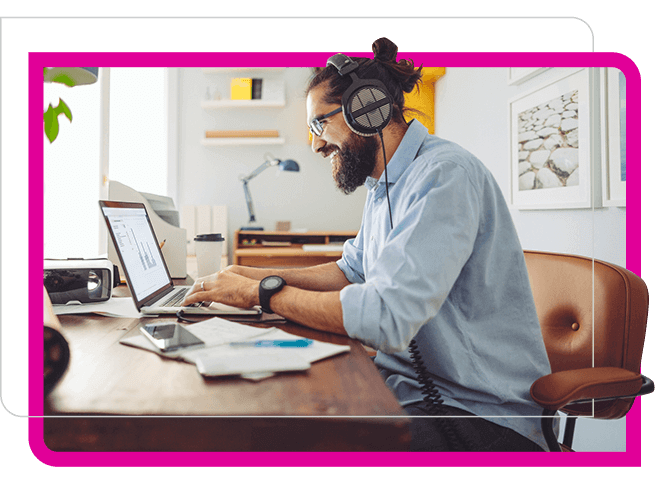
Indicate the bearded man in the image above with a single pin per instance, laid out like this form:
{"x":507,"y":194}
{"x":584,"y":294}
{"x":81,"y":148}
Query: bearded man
{"x":436,"y":268}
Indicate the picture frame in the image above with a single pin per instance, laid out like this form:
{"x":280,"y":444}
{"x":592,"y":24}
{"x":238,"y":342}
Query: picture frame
{"x":613,"y":137}
{"x":551,"y":144}
{"x":516,"y":76}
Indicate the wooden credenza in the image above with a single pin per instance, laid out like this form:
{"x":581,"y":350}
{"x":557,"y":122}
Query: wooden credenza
{"x":288,"y":249}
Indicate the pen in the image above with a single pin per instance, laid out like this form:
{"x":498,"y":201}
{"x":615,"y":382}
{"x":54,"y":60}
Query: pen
{"x":162,"y":244}
{"x":274,"y":343}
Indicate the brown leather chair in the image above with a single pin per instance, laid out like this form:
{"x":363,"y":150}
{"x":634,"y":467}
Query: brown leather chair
{"x":593,"y":320}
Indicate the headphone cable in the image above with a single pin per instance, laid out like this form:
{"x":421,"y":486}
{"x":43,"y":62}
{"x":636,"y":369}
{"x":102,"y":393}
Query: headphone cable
{"x":387,"y":188}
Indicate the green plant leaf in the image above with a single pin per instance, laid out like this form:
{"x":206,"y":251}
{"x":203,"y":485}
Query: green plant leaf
{"x":51,"y":122}
{"x":62,"y":107}
{"x":51,"y":126}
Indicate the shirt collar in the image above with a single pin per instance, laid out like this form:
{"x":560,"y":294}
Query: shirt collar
{"x":404,"y":154}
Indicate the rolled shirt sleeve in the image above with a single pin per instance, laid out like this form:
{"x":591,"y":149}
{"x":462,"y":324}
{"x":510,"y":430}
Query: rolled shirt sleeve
{"x":351,"y":260}
{"x":406,"y":275}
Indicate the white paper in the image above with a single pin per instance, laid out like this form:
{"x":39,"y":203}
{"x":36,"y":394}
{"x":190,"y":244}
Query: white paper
{"x":248,"y":361}
{"x":218,"y":333}
{"x":122,"y":307}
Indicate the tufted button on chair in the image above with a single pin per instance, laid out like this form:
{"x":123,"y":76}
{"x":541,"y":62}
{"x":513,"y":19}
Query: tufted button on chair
{"x":593,"y":320}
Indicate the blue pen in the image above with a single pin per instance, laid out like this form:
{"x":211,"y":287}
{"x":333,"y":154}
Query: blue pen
{"x":274,"y":343}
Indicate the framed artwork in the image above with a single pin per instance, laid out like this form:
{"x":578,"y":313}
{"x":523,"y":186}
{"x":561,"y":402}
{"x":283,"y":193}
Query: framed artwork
{"x":613,"y":137}
{"x":551,"y":143}
{"x":516,"y":76}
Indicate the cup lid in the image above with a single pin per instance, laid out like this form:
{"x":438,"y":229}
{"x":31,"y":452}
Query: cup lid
{"x":209,"y":237}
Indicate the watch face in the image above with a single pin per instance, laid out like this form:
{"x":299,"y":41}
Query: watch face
{"x":271,"y":283}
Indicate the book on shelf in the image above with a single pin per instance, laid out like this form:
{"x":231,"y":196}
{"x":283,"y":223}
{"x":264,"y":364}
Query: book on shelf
{"x":256,"y":88}
{"x":214,"y":134}
{"x":248,"y":88}
{"x":241,"y":89}
{"x":267,"y":243}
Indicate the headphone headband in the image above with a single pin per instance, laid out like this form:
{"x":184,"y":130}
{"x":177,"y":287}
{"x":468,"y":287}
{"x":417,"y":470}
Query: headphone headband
{"x":342,"y":63}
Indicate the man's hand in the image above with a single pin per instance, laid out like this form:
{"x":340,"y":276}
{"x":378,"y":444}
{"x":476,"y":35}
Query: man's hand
{"x":311,"y":297}
{"x":225,"y":287}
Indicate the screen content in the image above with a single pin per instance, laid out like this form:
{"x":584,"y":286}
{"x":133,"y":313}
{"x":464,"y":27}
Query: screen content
{"x":139,"y":250}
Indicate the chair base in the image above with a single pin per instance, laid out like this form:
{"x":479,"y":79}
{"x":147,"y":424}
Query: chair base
{"x":549,"y":433}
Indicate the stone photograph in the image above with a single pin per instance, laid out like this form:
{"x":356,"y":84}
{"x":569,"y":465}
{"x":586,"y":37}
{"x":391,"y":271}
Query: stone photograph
{"x":551,"y":140}
{"x":548,"y":154}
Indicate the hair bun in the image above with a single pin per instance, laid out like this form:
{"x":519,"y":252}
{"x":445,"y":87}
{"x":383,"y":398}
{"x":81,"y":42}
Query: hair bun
{"x":384,"y":50}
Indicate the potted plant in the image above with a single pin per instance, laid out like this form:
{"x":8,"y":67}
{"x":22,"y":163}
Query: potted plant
{"x":71,"y":77}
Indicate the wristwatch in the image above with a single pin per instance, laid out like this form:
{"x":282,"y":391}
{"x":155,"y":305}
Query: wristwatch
{"x":268,"y":287}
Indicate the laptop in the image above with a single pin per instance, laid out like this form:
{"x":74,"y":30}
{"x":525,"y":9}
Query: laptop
{"x":146,"y":272}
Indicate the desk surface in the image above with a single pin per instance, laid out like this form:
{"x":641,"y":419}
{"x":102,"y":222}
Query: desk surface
{"x":330,"y":407}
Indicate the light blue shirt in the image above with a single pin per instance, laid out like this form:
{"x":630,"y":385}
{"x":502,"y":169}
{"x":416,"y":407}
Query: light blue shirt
{"x":452,"y":275}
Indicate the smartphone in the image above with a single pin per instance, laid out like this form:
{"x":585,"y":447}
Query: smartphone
{"x":169,"y":336}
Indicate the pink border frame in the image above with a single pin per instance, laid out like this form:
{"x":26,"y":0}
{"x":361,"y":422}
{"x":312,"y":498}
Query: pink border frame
{"x":632,"y":455}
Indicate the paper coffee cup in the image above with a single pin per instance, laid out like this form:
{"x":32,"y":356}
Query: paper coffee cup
{"x":208,"y":248}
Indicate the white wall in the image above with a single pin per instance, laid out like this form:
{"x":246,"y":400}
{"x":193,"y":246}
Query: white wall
{"x":210,"y":175}
{"x":471,"y":109}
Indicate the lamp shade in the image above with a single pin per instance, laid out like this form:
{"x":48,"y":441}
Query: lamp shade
{"x":289,"y":166}
{"x":71,"y":77}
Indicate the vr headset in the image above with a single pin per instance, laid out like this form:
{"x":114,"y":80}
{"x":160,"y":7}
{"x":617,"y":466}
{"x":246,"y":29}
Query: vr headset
{"x":81,"y":280}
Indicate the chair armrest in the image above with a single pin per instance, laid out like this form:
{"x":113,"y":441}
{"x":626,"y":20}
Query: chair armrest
{"x":558,"y":389}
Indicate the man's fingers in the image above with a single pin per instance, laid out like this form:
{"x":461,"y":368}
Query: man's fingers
{"x":198,"y":296}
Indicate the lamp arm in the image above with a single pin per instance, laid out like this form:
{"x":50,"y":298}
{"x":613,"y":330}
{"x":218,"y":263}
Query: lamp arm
{"x":259,"y":169}
{"x":270,"y":162}
{"x":248,"y":198}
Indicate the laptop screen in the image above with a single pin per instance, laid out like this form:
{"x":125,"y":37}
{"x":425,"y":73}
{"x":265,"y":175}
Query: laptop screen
{"x":141,"y":257}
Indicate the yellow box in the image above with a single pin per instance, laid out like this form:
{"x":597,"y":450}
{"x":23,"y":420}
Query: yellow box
{"x":241,"y":88}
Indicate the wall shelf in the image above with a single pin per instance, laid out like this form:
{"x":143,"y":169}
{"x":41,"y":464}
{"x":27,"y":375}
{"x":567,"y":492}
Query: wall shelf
{"x":273,"y":97}
{"x":242,"y":141}
{"x":216,"y":71}
{"x":247,"y":103}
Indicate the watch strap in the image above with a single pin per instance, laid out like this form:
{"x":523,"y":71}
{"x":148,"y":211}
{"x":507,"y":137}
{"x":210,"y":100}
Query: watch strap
{"x":266,"y":294}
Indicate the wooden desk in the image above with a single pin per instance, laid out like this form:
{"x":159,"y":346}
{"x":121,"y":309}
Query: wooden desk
{"x":327,"y":408}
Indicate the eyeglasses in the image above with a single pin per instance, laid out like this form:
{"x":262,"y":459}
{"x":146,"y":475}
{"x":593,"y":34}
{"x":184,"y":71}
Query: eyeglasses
{"x":316,"y":127}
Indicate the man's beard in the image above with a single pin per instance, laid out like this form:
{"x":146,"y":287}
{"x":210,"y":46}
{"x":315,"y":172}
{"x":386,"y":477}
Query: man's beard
{"x":355,"y":161}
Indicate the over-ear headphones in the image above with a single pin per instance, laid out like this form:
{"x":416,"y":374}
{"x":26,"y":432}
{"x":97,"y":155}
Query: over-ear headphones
{"x":367,"y":104}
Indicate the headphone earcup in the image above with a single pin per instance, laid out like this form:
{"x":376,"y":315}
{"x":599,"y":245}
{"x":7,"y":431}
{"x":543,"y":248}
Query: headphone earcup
{"x":367,"y":104}
{"x":367,"y":107}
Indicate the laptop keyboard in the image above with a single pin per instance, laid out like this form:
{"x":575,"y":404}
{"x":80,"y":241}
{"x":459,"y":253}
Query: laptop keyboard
{"x":176,"y":299}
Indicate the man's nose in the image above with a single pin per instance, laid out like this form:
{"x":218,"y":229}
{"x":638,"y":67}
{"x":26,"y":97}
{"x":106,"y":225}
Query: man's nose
{"x":317,"y":143}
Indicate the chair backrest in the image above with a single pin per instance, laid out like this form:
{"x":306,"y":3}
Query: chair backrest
{"x":592,"y":313}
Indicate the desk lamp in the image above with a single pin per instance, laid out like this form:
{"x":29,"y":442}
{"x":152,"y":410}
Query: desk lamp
{"x":284,"y":166}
